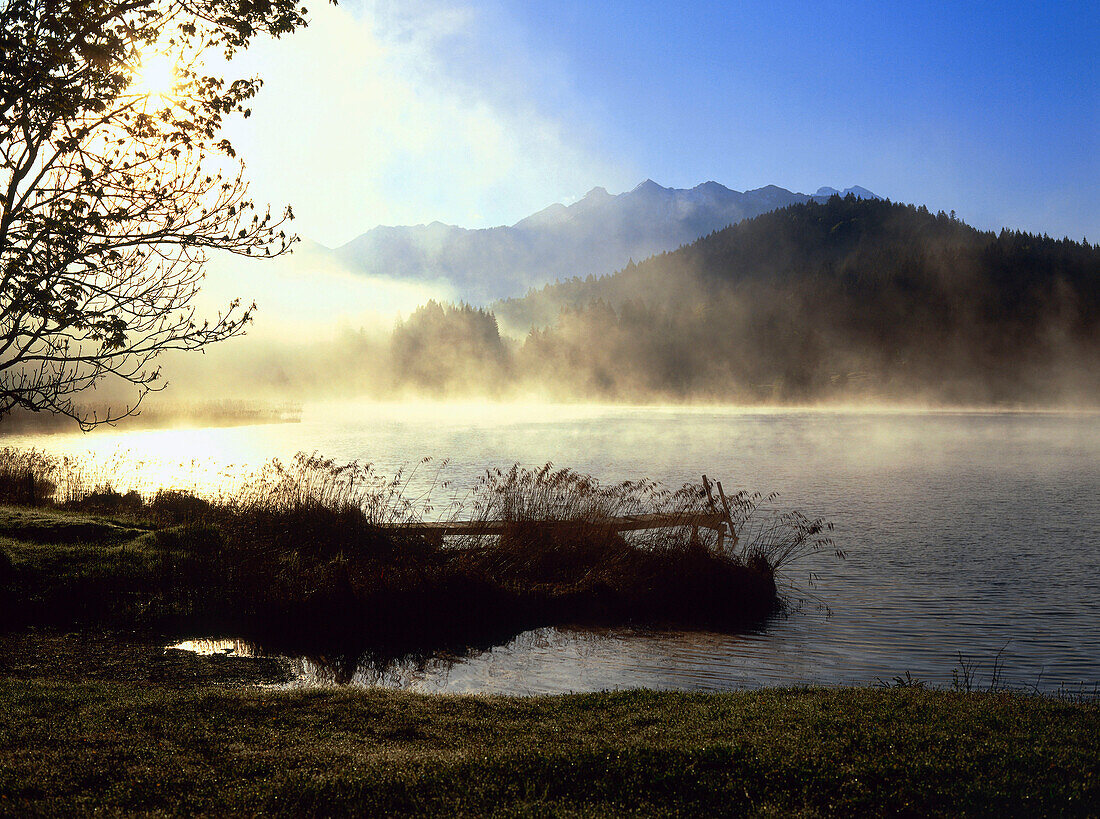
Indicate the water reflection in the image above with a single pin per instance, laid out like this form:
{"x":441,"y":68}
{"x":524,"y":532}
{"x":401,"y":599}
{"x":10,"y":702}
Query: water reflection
{"x":555,"y":660}
{"x":210,"y":647}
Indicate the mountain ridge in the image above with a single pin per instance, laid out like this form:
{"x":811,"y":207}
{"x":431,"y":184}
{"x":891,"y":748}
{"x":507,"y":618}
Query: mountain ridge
{"x":595,"y":235}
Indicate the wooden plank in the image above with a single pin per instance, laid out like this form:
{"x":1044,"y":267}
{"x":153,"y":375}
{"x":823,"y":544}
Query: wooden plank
{"x":630,"y":523}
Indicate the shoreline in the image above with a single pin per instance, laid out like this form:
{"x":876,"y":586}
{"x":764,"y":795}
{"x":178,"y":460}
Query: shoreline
{"x":123,"y":748}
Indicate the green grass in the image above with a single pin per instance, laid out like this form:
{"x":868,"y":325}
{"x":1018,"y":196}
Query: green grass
{"x":90,"y":722}
{"x":63,"y":568}
{"x":76,"y":747}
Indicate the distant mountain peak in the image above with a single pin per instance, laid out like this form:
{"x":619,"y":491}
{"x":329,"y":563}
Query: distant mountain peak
{"x":861,"y":193}
{"x":647,"y":186}
{"x":598,"y":192}
{"x":856,"y":191}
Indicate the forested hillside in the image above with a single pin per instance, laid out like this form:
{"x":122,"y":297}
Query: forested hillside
{"x":847,"y":298}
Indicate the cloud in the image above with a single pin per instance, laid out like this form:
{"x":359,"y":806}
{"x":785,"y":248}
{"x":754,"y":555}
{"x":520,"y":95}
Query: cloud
{"x":379,"y":114}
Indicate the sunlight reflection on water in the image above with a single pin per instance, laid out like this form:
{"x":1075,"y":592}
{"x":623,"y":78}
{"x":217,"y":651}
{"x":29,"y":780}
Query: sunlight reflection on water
{"x":236,"y":648}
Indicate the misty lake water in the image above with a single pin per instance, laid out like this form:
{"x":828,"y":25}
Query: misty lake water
{"x":968,"y":534}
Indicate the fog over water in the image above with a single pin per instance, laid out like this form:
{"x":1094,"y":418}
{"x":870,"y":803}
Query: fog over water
{"x":967,"y":533}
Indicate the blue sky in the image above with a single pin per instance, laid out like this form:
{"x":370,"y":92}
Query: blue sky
{"x":479,"y":113}
{"x":964,"y":105}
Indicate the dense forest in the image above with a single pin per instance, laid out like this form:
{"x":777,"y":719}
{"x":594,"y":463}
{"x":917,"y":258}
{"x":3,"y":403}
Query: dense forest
{"x":849,"y":299}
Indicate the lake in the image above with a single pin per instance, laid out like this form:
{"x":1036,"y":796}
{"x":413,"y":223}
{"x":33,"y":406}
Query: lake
{"x":971,"y":536}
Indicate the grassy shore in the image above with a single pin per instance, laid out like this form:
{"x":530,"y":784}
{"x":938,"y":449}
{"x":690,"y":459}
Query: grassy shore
{"x":91,"y":722}
{"x":75,"y":747}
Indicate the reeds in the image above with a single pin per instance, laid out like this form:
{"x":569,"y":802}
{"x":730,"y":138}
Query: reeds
{"x":27,"y":477}
{"x":576,"y":538}
{"x":773,"y":539}
{"x":31,"y":477}
{"x":560,"y":525}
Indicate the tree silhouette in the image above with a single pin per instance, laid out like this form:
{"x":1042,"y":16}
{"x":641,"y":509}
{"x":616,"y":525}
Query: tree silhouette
{"x":115,"y":187}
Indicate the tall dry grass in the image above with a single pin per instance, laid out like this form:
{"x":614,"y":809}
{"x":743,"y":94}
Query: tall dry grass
{"x":318,"y":507}
{"x":27,"y":477}
{"x":531,"y":499}
{"x":774,"y":538}
{"x":314,"y":500}
{"x":560,"y":524}
{"x":560,"y":534}
{"x":32,"y":477}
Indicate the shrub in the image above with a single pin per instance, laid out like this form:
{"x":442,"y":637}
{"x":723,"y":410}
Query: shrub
{"x":173,"y":506}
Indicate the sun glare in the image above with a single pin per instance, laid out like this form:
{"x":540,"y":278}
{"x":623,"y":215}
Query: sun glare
{"x":155,"y":77}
